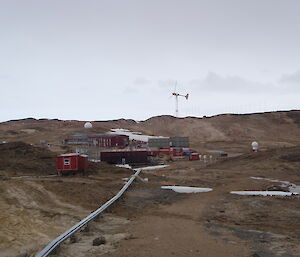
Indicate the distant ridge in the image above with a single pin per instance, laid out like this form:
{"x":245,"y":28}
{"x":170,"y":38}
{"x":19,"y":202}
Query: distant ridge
{"x":271,"y":129}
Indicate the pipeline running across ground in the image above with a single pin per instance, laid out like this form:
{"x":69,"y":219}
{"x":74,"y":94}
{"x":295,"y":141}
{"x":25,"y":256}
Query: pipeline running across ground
{"x":57,"y":241}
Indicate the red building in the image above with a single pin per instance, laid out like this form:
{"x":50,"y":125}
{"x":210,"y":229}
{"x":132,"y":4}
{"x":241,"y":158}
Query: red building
{"x":173,"y":151}
{"x":153,"y":152}
{"x":107,"y":140}
{"x":165,"y":151}
{"x":100,"y":140}
{"x":177,"y":151}
{"x":71,"y":162}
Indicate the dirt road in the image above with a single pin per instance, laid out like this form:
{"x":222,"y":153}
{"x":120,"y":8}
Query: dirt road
{"x":216,"y":224}
{"x":164,"y":223}
{"x":150,"y":221}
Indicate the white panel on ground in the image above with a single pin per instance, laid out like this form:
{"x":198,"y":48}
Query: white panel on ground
{"x":182,"y":189}
{"x":292,"y":187}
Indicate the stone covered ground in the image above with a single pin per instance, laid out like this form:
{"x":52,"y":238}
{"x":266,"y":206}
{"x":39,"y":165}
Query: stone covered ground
{"x":148,"y":220}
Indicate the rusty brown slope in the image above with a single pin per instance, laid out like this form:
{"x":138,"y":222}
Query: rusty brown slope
{"x":271,"y":129}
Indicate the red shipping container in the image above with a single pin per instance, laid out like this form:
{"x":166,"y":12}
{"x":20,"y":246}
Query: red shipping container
{"x":177,"y":151}
{"x":71,"y":162}
{"x":165,"y":151}
{"x":194,"y":156}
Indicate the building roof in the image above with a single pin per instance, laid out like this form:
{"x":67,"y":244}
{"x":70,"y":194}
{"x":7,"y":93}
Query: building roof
{"x":124,"y":151}
{"x":86,"y":136}
{"x":72,"y":154}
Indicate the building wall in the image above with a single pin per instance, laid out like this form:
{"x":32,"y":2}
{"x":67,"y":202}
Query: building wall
{"x":74,"y":163}
{"x":166,"y":142}
{"x":109,"y":141}
{"x":180,"y":142}
{"x":116,"y":157}
{"x":159,"y":142}
{"x":62,"y":160}
{"x":80,"y":139}
{"x":100,"y":140}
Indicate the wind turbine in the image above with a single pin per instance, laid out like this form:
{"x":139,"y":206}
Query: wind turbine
{"x":176,"y":99}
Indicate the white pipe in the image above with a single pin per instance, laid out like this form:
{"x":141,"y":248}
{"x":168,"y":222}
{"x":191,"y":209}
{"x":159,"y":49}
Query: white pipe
{"x":57,"y":241}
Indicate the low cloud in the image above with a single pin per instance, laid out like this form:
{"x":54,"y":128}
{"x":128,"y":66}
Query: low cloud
{"x":292,"y":78}
{"x":130,"y":90}
{"x":167,"y":83}
{"x":141,"y":81}
{"x":216,"y":83}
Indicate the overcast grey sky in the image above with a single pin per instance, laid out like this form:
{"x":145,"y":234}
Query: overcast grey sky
{"x":95,"y":60}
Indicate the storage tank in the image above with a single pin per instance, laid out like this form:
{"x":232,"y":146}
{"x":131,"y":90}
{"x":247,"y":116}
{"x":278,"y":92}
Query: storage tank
{"x":254,"y":146}
{"x":88,"y":125}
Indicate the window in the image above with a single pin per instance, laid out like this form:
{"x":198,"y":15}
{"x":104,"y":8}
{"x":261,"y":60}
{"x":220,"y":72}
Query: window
{"x":66,"y":161}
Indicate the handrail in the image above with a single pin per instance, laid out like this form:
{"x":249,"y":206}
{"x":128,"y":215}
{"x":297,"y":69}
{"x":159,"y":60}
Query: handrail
{"x":57,"y":241}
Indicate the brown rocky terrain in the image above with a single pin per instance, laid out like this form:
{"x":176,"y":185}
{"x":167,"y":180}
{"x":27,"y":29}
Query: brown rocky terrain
{"x":150,"y":221}
{"x":223,"y":132}
{"x":35,"y":209}
{"x":164,"y":223}
{"x":21,"y":158}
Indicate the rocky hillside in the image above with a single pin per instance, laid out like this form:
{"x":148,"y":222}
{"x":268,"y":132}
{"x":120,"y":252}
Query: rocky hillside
{"x":19,"y":157}
{"x":227,"y":131}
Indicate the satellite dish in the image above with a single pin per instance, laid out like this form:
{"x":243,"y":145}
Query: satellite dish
{"x":88,"y":125}
{"x":254,"y":146}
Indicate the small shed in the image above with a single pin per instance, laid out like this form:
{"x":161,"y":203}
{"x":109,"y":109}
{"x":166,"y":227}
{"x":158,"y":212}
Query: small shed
{"x":71,"y":162}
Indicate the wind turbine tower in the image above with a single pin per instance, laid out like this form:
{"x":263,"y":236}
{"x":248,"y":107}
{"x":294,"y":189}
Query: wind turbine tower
{"x":176,"y":100}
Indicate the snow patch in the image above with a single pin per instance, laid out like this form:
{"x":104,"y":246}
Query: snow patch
{"x":295,"y":189}
{"x":272,"y":180}
{"x":94,"y":160}
{"x":264,"y":193}
{"x":292,"y":187}
{"x":182,"y":189}
{"x":126,"y":166}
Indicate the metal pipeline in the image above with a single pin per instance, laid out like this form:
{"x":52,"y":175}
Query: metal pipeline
{"x":57,"y":241}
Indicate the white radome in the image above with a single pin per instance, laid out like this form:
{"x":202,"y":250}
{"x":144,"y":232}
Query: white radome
{"x":88,"y":125}
{"x":254,"y":145}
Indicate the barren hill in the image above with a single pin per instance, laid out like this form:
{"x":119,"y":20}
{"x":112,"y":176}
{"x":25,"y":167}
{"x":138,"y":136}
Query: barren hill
{"x":35,"y":210}
{"x":227,"y":131}
{"x":20,"y":157}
